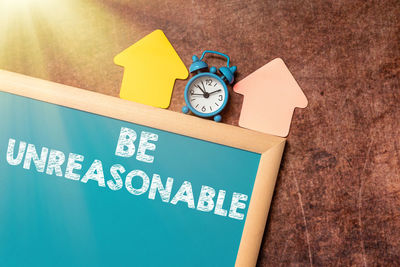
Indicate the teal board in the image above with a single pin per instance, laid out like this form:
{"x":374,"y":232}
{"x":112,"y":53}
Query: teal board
{"x":49,"y":220}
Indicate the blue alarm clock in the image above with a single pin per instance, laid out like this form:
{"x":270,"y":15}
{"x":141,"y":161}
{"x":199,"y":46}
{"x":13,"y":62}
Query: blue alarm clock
{"x":206,"y":93}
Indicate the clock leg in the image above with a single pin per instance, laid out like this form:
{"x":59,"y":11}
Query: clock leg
{"x":217,"y":118}
{"x":185,"y":109}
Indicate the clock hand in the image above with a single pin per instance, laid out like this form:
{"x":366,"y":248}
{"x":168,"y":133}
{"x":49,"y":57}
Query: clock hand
{"x":197,"y":94}
{"x":204,"y":87}
{"x":215,"y":91}
{"x":200,"y":88}
{"x":205,"y":94}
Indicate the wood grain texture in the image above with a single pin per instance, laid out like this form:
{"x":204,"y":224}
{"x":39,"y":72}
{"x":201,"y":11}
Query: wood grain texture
{"x":338,"y":193}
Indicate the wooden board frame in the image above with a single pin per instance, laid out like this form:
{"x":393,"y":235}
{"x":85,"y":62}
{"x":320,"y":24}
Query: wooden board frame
{"x":270,"y":147}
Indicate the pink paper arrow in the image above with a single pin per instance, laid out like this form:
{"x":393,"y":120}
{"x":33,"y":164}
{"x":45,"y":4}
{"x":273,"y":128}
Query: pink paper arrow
{"x":270,"y":96}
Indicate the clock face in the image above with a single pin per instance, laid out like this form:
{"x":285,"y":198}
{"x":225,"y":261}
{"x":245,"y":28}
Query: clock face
{"x":206,"y":94}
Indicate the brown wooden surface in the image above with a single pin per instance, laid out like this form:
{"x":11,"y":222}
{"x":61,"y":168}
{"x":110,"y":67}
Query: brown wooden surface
{"x":338,"y":193}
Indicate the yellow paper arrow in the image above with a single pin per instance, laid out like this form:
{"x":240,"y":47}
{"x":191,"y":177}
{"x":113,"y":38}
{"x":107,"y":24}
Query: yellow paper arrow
{"x":151,"y":67}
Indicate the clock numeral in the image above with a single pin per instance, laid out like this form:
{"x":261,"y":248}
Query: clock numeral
{"x":203,"y":109}
{"x":208,"y":81}
{"x":192,"y":92}
{"x":220,"y":97}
